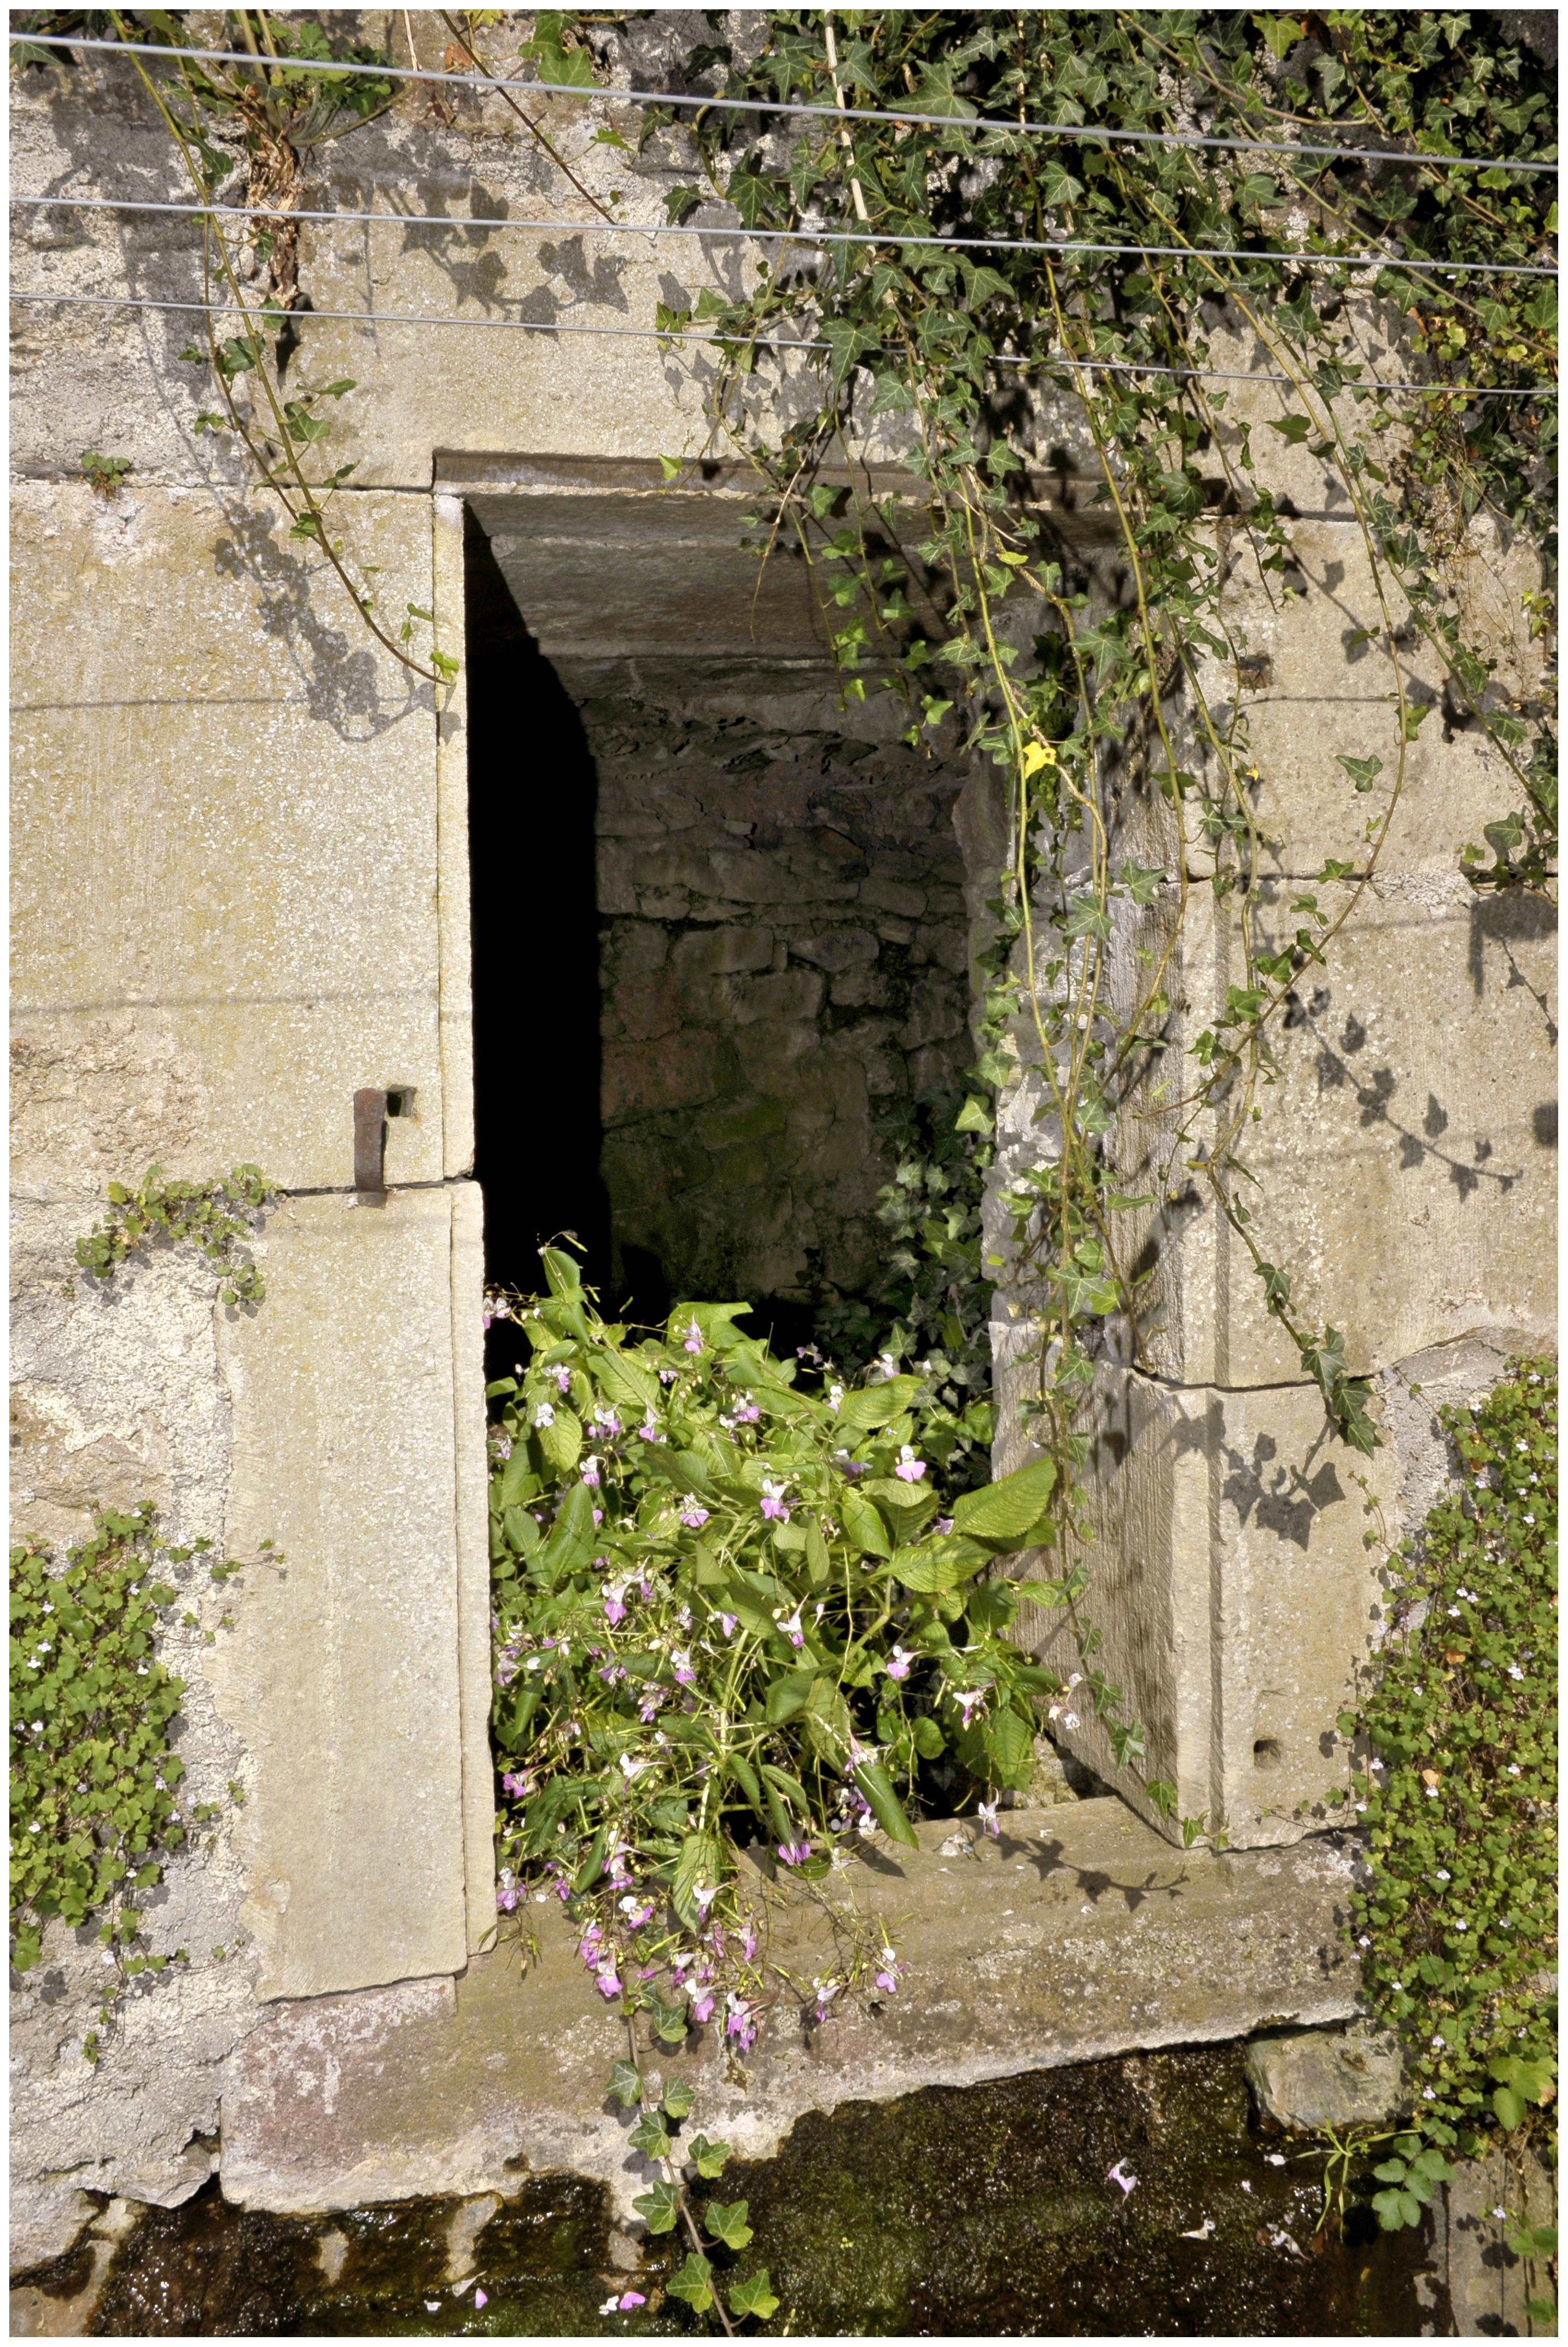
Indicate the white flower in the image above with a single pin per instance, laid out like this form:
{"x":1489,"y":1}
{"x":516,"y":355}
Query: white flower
{"x":1443,"y":1875}
{"x":544,"y":1415}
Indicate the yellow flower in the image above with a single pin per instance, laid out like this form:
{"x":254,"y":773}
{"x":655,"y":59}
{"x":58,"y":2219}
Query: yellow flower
{"x":1037,"y":754}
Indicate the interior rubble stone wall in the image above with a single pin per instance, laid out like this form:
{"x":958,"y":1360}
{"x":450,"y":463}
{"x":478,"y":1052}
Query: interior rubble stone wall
{"x":783,"y":961}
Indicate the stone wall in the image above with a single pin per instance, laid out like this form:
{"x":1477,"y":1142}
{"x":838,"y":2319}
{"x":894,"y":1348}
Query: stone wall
{"x":784,"y":960}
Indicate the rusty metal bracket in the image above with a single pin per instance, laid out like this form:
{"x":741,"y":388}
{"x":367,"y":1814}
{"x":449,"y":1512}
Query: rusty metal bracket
{"x":370,"y":1147}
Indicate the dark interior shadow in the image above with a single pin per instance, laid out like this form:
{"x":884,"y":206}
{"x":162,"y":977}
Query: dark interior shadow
{"x":532,"y":790}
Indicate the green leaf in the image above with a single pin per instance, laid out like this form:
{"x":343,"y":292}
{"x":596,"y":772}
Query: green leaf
{"x":1293,"y":431}
{"x":678,"y":2098}
{"x":788,"y":1693}
{"x":728,"y":2224}
{"x":874,"y":1406}
{"x":753,"y":2296}
{"x":1509,"y":2107}
{"x":650,"y":2137}
{"x":699,"y":1866}
{"x":1009,"y":1747}
{"x":865,"y":1526}
{"x":874,"y":1782}
{"x":1006,"y":1512}
{"x":625,"y":2085}
{"x":694,"y":2281}
{"x":1363,"y":772}
{"x":973,"y":1117}
{"x":661,"y":2207}
{"x":708,"y":2158}
{"x":938,"y":1564}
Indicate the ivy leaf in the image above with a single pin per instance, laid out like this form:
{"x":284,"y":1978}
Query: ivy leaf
{"x":1363,"y":773}
{"x":649,"y":2137}
{"x":753,"y":2296}
{"x":694,"y":2281}
{"x":708,"y":2158}
{"x":662,"y":2208}
{"x":728,"y":2223}
{"x":678,"y":2098}
{"x":1293,"y":430}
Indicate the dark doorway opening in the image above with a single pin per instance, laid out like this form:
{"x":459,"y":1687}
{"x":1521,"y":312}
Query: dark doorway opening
{"x":532,"y":792}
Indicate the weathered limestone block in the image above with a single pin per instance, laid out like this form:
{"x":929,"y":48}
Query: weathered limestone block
{"x":1074,"y":1936}
{"x":1311,"y":2079}
{"x":196,"y":905}
{"x":345,"y":1674}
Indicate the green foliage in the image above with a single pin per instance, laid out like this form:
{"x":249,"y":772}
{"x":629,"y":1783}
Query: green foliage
{"x":105,"y":474}
{"x":959,"y":598}
{"x":98,"y":1802}
{"x":727,"y":1607}
{"x":666,"y":2207}
{"x":932,"y":1305}
{"x":1457,"y":1926}
{"x":210,"y":1215}
{"x":1409,"y":2176}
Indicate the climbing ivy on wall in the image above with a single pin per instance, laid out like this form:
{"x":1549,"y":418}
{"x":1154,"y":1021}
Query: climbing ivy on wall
{"x":961,"y":598}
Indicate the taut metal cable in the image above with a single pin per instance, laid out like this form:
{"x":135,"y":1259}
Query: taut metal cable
{"x":728,"y":341}
{"x":786,"y":105}
{"x":794,"y":236}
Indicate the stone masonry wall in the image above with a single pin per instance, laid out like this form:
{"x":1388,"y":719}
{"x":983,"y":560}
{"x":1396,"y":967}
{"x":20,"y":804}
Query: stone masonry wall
{"x":784,"y":960}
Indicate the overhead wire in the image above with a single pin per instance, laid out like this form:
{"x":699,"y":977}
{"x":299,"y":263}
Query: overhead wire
{"x":271,"y":324}
{"x":704,"y":101}
{"x":1054,"y":246}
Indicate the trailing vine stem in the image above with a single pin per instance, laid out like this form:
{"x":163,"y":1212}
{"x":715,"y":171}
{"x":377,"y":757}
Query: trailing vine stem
{"x":295,"y":426}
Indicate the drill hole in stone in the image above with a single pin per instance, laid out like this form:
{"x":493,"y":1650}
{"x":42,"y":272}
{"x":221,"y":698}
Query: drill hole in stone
{"x":1266,"y":1753}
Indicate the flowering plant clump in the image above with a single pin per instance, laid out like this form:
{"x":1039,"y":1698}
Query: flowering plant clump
{"x":1457,"y":1927}
{"x":722,"y":1614}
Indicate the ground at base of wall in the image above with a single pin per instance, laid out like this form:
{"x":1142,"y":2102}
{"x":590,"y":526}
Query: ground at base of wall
{"x":959,"y":2211}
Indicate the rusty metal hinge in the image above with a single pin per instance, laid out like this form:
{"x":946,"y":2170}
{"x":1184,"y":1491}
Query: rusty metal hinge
{"x":370,"y":1147}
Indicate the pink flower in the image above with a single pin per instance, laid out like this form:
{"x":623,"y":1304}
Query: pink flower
{"x":684,"y":1675}
{"x":650,"y":1433}
{"x":772,"y":1502}
{"x":988,"y":1811}
{"x":738,"y":2023}
{"x":749,"y":1942}
{"x":1116,"y":2176}
{"x":481,"y":2297}
{"x":613,"y":1594}
{"x":795,"y":1853}
{"x":889,"y":1982}
{"x":693,"y":1517}
{"x":727,"y":1624}
{"x":609,"y":1981}
{"x":703,"y":1898}
{"x":943,"y":1524}
{"x":909,"y":1467}
{"x":899,"y":1668}
{"x":703,"y":2005}
{"x":506,"y":1898}
{"x":519,"y":1783}
{"x":563,"y":1378}
{"x":969,"y":1700}
{"x":693,"y":1338}
{"x":598,"y":1518}
{"x":748,"y":1412}
{"x":792,"y":1629}
{"x":628,"y":2299}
